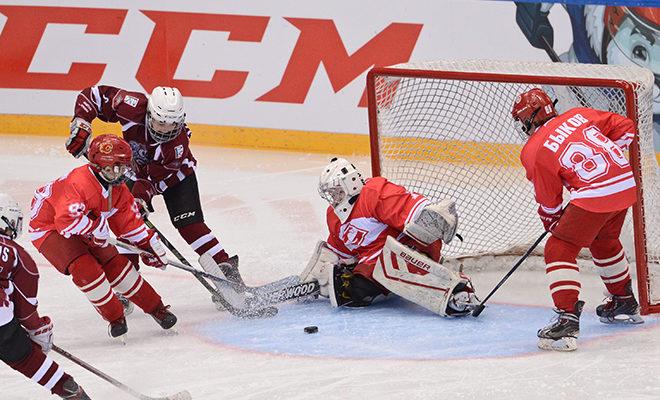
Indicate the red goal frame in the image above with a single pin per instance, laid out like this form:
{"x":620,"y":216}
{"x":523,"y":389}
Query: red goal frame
{"x":641,"y":255}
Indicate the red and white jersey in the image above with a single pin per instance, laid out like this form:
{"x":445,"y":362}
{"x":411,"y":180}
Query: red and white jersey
{"x":164,"y":164}
{"x":382,"y":209}
{"x":19,"y":279}
{"x":71,"y":204}
{"x":582,"y":150}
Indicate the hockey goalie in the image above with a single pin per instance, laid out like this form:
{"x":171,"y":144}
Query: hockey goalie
{"x":384,"y":239}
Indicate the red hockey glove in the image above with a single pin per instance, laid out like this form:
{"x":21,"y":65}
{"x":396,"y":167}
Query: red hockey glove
{"x":40,"y":331}
{"x":549,"y":220}
{"x":157,"y":257}
{"x":79,"y":138}
{"x":100,"y":232}
{"x":143,"y":191}
{"x":433,"y":250}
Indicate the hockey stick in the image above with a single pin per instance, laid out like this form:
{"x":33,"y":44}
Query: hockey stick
{"x":478,"y":309}
{"x":180,"y":256}
{"x":243,"y":312}
{"x":297,"y":291}
{"x":184,"y":395}
{"x":536,"y":27}
{"x":268,"y":294}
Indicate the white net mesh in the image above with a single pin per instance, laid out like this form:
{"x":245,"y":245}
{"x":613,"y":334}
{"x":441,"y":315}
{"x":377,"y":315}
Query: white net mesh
{"x":455,"y":138}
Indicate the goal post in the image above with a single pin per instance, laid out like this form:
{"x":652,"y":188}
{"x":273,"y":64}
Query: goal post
{"x":444,"y":129}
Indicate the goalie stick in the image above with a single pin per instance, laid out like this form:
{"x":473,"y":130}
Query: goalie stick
{"x":248,"y":311}
{"x":297,"y":291}
{"x":181,"y":258}
{"x":285,"y":289}
{"x":184,"y":395}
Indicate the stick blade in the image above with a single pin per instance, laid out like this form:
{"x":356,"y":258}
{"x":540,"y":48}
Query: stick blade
{"x":477,"y":310}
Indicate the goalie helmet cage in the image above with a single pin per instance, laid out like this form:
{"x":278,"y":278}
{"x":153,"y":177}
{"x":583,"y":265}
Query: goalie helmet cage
{"x":444,"y":129}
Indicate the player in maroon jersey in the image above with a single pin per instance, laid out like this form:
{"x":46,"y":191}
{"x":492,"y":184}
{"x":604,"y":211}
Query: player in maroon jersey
{"x":155,"y":128}
{"x":70,"y":225}
{"x":383,"y":238}
{"x":581,"y":150}
{"x":25,"y":336}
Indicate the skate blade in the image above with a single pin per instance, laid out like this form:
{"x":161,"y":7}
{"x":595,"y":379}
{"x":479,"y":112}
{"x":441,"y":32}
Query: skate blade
{"x":121,"y":339}
{"x":623,"y":319}
{"x":563,"y":344}
{"x":170,"y":332}
{"x":129,"y":310}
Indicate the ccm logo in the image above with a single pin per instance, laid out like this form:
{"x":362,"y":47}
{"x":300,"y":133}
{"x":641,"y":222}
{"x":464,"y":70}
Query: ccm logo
{"x":184,"y":216}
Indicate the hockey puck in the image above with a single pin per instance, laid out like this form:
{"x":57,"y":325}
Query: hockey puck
{"x":311,"y":329}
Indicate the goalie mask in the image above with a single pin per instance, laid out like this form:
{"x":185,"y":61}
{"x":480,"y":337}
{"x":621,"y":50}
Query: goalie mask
{"x":165,"y":115}
{"x":532,"y":109}
{"x":340,"y":184}
{"x":11,"y":216}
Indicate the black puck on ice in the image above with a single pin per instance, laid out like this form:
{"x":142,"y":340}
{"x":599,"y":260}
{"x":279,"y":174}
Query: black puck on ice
{"x":311,"y":329}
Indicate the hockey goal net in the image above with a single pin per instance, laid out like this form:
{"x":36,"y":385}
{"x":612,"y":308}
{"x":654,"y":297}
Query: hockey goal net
{"x":444,"y":129}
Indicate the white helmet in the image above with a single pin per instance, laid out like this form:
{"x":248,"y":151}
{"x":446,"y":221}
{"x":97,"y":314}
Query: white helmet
{"x":11,"y":216}
{"x":339,"y":184}
{"x":165,"y":115}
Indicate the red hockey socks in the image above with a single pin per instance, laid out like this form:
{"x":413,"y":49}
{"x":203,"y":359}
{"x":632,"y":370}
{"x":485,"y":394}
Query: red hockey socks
{"x":88,"y":275}
{"x":126,"y":281}
{"x":611,"y":264}
{"x":562,"y":272}
{"x":200,"y":238}
{"x":42,"y":369}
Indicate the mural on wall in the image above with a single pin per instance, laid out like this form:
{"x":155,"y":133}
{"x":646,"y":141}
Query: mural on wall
{"x":601,"y":35}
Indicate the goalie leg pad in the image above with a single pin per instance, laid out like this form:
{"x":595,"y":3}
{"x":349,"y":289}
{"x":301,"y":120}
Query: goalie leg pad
{"x":415,"y":277}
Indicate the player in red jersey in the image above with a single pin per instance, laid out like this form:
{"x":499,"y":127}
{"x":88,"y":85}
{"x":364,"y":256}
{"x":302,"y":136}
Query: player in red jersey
{"x":155,"y":128}
{"x":25,"y":336}
{"x":383,"y":238}
{"x":583,"y":151}
{"x":70,"y":223}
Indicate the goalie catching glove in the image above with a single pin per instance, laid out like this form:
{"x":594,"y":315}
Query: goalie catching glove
{"x":320,"y":265}
{"x":435,"y":221}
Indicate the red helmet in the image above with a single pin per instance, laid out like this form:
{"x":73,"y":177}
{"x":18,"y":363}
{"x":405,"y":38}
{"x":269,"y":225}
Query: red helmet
{"x":532,"y":108}
{"x":111,"y":157}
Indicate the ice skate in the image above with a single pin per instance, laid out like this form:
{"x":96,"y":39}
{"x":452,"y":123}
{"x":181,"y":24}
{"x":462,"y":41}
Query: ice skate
{"x":127,"y":304}
{"x":229,"y":269}
{"x":73,"y":391}
{"x":163,"y":316}
{"x":620,"y":309}
{"x":562,"y":333}
{"x":118,"y":329}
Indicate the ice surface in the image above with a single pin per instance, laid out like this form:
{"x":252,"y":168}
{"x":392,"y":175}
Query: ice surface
{"x":263,"y":205}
